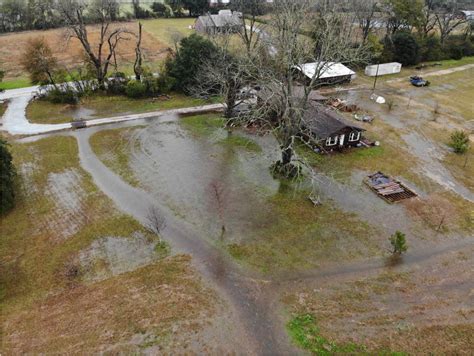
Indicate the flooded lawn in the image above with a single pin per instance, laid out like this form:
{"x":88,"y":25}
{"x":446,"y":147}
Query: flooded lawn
{"x":110,"y":256}
{"x":222,"y":185}
{"x":99,"y":106}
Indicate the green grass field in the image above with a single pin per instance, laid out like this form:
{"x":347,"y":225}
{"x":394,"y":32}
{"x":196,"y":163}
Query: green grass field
{"x":455,"y":91}
{"x":170,"y":30}
{"x":20,"y":82}
{"x":98,"y":106}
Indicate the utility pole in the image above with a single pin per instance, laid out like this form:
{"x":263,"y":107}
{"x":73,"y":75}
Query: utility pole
{"x":376,"y":76}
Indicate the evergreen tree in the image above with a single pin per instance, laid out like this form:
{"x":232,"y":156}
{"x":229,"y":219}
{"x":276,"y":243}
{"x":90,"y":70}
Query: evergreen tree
{"x":188,"y":60}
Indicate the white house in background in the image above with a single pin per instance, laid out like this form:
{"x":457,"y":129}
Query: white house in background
{"x":383,"y":69}
{"x":216,"y":3}
{"x":467,"y":15}
{"x":225,"y":21}
{"x":327,"y":72}
{"x":213,"y":3}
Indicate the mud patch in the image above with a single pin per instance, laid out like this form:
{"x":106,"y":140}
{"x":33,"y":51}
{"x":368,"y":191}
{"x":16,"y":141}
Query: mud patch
{"x":111,"y":256}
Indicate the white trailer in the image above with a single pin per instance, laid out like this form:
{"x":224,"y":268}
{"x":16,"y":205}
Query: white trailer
{"x":383,"y":69}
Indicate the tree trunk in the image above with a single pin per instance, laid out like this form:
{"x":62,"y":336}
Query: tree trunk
{"x":230,"y":102}
{"x":137,"y":67}
{"x":286,"y":154}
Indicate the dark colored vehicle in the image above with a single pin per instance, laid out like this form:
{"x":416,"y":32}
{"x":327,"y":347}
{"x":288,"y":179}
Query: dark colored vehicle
{"x":419,"y":81}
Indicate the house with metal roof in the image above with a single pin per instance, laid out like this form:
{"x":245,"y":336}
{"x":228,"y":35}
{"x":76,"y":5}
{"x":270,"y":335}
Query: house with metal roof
{"x":325,"y":72}
{"x":224,"y":21}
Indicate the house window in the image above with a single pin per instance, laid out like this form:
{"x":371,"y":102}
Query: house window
{"x":331,"y":141}
{"x":354,"y":136}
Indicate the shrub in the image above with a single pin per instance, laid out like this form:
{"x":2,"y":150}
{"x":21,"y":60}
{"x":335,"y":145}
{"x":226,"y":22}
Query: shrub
{"x":136,"y":89}
{"x":406,"y":49}
{"x":117,"y":84}
{"x":62,"y":95}
{"x":459,"y":141}
{"x":398,"y":242}
{"x":7,"y":175}
{"x":165,"y":82}
{"x":159,"y":9}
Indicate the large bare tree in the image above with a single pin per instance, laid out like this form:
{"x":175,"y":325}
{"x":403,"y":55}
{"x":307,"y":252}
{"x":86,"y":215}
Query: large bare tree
{"x":365,"y":13}
{"x":427,"y":21}
{"x":283,"y":101}
{"x":223,"y":74}
{"x":448,"y":20}
{"x":101,"y":55}
{"x":252,"y":29}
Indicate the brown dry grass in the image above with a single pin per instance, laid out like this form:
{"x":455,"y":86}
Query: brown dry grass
{"x":70,"y":54}
{"x":442,"y":211}
{"x":423,"y":310}
{"x":48,"y":308}
{"x":121,"y":314}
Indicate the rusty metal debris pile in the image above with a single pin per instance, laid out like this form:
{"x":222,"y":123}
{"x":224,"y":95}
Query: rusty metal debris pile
{"x":388,"y":188}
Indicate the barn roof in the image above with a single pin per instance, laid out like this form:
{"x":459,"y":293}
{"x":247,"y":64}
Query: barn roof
{"x":324,"y":69}
{"x":324,"y":121}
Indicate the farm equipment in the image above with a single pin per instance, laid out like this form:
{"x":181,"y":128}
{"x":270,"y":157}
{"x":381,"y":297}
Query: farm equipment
{"x":418,"y":81}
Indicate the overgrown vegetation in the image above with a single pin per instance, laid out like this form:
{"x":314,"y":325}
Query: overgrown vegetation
{"x":304,"y":332}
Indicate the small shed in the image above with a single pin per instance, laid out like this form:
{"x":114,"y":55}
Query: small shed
{"x":329,"y":130}
{"x":326,"y":72}
{"x":383,"y":69}
{"x":224,"y":21}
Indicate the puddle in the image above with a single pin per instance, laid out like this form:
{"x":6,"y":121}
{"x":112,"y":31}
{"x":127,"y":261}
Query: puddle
{"x":110,"y":256}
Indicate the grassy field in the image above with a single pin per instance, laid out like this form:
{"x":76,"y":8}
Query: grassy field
{"x":99,"y":106}
{"x":19,"y":82}
{"x":169,"y":31}
{"x":387,"y":313}
{"x":295,"y":235}
{"x":48,"y":305}
{"x":454,"y":92}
